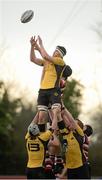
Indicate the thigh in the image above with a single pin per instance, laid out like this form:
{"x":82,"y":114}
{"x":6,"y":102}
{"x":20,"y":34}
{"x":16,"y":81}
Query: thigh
{"x":78,"y":173}
{"x":41,"y":173}
{"x":83,"y":172}
{"x":49,"y":175}
{"x":55,"y":97}
{"x":35,"y":173}
{"x":31,"y":173}
{"x":71,"y":174}
{"x":43,"y":98}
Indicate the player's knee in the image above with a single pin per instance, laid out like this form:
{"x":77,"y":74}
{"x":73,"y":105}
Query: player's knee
{"x":56,"y":108}
{"x":43,"y":115}
{"x":42,"y":108}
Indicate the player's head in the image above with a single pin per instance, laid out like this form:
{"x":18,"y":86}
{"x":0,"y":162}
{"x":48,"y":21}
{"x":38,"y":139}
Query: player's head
{"x":60,"y":51}
{"x":33,"y":129}
{"x":67,"y":71}
{"x":88,"y":130}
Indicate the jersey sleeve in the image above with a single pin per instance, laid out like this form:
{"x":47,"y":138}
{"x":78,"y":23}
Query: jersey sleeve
{"x":26,"y":136}
{"x":79,"y":130}
{"x":58,"y":61}
{"x":46,"y":135}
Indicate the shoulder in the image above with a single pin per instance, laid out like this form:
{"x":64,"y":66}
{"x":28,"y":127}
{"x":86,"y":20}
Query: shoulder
{"x":46,"y":135}
{"x":27,"y":136}
{"x":58,"y":61}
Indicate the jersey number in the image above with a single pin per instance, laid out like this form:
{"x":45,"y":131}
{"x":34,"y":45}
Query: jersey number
{"x":33,"y":147}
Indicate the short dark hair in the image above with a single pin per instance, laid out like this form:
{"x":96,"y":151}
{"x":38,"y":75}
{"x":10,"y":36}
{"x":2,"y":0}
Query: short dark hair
{"x":67,"y":71}
{"x":89,"y":130}
{"x":62,"y":50}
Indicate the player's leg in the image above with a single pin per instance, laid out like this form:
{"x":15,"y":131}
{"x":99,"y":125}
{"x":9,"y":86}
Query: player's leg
{"x":55,"y":99}
{"x":42,"y":107}
{"x":41,"y":125}
{"x":36,"y":118}
{"x":42,"y":122}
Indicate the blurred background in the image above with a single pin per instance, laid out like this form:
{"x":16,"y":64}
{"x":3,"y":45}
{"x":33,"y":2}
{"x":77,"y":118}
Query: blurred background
{"x":74,"y":24}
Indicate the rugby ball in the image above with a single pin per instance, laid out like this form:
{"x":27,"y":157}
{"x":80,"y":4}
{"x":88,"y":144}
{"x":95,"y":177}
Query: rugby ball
{"x":27,"y":16}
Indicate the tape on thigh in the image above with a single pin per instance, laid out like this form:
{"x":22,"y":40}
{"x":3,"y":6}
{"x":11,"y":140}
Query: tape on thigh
{"x":56,"y":105}
{"x":42,"y":108}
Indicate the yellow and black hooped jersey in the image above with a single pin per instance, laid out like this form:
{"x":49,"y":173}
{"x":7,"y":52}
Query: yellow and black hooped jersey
{"x":52,"y":72}
{"x":74,"y":154}
{"x":36,"y":149}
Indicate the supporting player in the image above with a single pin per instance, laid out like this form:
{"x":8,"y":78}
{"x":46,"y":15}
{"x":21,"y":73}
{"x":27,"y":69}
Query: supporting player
{"x":36,"y":143}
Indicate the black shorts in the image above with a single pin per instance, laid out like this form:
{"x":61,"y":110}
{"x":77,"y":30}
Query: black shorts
{"x":35,"y":173}
{"x":78,"y":173}
{"x":49,"y":96}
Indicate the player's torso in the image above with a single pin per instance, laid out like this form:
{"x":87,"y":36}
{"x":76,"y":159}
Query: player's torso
{"x":51,"y":75}
{"x":74,"y":152}
{"x":35,"y":149}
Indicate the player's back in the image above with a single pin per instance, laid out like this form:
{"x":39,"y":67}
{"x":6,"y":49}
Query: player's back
{"x":36,"y":146}
{"x":35,"y":149}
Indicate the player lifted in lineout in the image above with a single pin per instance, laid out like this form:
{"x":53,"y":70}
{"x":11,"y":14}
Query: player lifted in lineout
{"x":53,"y":67}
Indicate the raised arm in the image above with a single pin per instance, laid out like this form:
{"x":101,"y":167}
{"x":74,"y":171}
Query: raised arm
{"x":34,"y":47}
{"x":70,"y":121}
{"x":43,"y":52}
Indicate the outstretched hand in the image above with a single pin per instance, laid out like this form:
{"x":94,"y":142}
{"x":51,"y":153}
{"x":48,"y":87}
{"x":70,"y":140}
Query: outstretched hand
{"x":39,"y":40}
{"x":33,"y":41}
{"x":34,"y":44}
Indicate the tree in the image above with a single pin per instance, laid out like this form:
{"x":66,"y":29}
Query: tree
{"x":95,"y":154}
{"x":12,"y":131}
{"x":7,"y":120}
{"x":73,"y":97}
{"x":7,"y":112}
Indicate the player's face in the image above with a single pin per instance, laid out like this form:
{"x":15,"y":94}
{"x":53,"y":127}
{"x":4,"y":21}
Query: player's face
{"x":56,"y":54}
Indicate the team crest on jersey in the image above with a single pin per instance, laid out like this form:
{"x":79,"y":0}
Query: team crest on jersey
{"x":55,"y":94}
